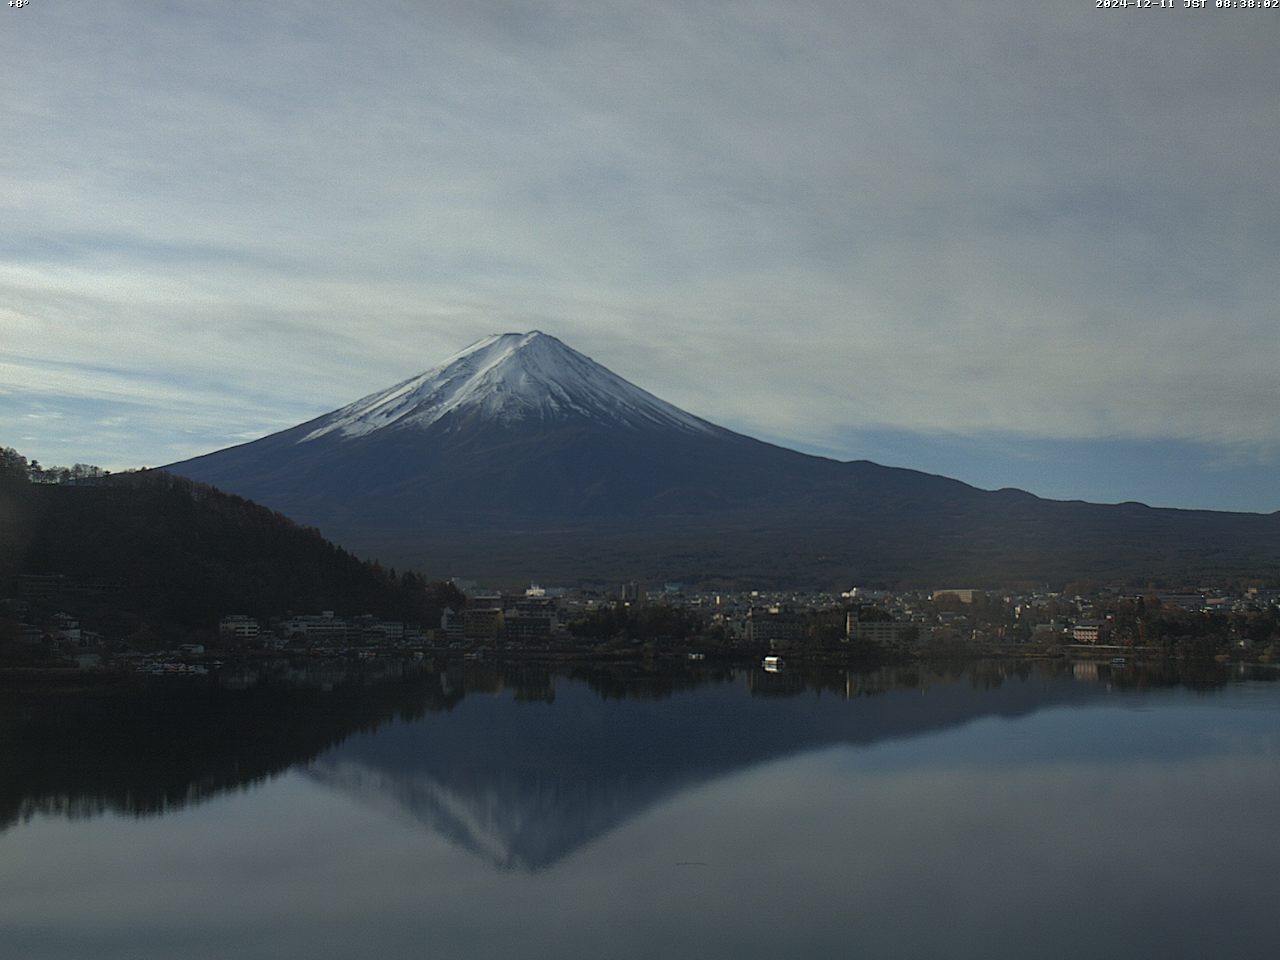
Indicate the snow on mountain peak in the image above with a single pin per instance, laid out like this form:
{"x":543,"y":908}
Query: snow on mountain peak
{"x":510,"y":378}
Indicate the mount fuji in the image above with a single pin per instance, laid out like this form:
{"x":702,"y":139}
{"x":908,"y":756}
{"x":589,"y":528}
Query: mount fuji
{"x":520,"y":457}
{"x":511,"y":379}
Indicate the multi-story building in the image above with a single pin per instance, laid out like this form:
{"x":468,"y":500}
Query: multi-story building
{"x":1089,"y":631}
{"x":240,"y":628}
{"x":776,"y":625}
{"x":324,"y":629}
{"x":530,"y":619}
{"x":882,"y":633}
{"x":64,"y":628}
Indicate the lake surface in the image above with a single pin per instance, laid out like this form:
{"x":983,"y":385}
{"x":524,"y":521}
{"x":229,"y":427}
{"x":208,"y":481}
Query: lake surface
{"x":991,"y":811}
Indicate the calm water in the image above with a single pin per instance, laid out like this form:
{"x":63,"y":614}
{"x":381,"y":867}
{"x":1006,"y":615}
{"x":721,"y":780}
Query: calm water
{"x":989,"y":812}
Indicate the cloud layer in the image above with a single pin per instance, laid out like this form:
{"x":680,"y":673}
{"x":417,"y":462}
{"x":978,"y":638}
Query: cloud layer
{"x":806,"y":220}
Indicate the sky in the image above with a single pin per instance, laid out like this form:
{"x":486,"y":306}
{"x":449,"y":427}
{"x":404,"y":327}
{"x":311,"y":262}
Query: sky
{"x":1030,"y":245}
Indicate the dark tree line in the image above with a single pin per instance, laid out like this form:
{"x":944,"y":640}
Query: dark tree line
{"x":169,"y":552}
{"x":14,"y":466}
{"x":144,"y":749}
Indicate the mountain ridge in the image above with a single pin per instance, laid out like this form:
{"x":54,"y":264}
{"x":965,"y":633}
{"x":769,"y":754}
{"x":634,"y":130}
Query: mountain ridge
{"x":521,"y":457}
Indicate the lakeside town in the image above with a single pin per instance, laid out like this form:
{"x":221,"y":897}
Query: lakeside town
{"x":41,"y":628}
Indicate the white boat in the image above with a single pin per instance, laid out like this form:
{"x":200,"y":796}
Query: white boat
{"x":772,"y":663}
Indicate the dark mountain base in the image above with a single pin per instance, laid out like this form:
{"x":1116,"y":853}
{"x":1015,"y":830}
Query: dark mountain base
{"x":743,"y":553}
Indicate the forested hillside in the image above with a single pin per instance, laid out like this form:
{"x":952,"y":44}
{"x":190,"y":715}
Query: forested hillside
{"x":152,"y":548}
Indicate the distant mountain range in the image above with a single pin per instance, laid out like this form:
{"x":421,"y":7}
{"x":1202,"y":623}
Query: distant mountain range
{"x":521,"y":458}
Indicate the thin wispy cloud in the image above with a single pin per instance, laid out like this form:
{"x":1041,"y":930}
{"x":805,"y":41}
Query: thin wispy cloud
{"x":808,"y":221}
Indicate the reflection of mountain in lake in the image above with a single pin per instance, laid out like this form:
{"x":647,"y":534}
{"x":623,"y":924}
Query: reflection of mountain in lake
{"x":517,"y":764}
{"x":524,"y":786}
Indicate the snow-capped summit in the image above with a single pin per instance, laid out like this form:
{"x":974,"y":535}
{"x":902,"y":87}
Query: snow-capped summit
{"x":509,"y":378}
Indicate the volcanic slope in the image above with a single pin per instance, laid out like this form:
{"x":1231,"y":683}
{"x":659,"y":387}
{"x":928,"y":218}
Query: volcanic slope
{"x":520,"y":457}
